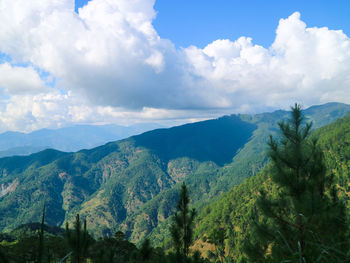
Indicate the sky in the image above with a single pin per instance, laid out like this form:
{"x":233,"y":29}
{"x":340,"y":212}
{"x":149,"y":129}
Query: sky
{"x":65,"y":62}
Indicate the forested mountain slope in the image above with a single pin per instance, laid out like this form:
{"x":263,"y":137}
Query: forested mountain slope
{"x":132,"y":184}
{"x":236,"y":208}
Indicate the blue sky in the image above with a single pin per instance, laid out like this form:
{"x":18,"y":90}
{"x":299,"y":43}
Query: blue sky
{"x":167,"y":61}
{"x":199,"y":22}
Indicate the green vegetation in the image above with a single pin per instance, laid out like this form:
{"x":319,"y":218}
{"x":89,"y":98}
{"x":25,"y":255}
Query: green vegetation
{"x":217,"y":237}
{"x":41,"y":238}
{"x":243,"y":209}
{"x":132,"y":187}
{"x":181,"y":228}
{"x":78,"y":242}
{"x":79,"y":247}
{"x":304,"y":219}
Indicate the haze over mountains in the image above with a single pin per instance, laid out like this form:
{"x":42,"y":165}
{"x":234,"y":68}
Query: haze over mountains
{"x":67,"y":139}
{"x":132,"y":184}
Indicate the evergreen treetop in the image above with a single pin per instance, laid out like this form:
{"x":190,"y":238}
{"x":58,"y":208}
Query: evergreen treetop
{"x":182,"y":226}
{"x":304,"y":220}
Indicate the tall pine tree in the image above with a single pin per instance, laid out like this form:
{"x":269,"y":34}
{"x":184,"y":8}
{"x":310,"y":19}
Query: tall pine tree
{"x":181,"y":228}
{"x":304,"y":221}
{"x":78,"y":241}
{"x":41,"y":237}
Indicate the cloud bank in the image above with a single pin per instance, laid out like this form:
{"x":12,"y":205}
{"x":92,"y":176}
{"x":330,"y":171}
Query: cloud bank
{"x":108,"y":64}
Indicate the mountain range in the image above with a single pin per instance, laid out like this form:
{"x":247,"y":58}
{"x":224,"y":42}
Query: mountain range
{"x":132,"y":184}
{"x":68,"y":139}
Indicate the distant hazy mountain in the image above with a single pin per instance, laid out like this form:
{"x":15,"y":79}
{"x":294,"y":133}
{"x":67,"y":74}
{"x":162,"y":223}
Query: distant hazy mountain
{"x":22,"y":150}
{"x":132,"y":184}
{"x":68,"y":139}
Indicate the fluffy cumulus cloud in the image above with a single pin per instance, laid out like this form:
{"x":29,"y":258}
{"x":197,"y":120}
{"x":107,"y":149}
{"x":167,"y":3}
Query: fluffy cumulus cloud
{"x":108,"y":64}
{"x":20,"y":80}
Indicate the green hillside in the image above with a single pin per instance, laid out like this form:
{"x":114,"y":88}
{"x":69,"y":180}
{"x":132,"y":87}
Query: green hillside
{"x":132,"y":185}
{"x":236,"y":208}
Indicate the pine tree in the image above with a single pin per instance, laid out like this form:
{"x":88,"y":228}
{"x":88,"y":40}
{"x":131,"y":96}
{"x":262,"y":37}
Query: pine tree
{"x":304,"y":221}
{"x":79,"y":241}
{"x":181,"y":228}
{"x":146,"y":250}
{"x":41,"y":237}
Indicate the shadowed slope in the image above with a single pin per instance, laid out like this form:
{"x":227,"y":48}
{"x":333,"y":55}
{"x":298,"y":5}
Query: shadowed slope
{"x":213,"y":140}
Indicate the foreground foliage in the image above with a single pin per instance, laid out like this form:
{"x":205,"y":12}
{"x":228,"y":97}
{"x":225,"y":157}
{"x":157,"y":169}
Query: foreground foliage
{"x":304,"y":220}
{"x":239,"y":209}
{"x":77,"y":246}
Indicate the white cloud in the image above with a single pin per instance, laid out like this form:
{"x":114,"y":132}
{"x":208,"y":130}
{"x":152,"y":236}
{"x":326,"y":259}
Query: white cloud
{"x":54,"y":110}
{"x":20,"y":80}
{"x":309,"y":65}
{"x":118,"y":67}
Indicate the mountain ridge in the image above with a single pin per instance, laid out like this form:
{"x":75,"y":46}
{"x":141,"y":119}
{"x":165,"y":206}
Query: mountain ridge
{"x":131,"y":184}
{"x":68,"y":139}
